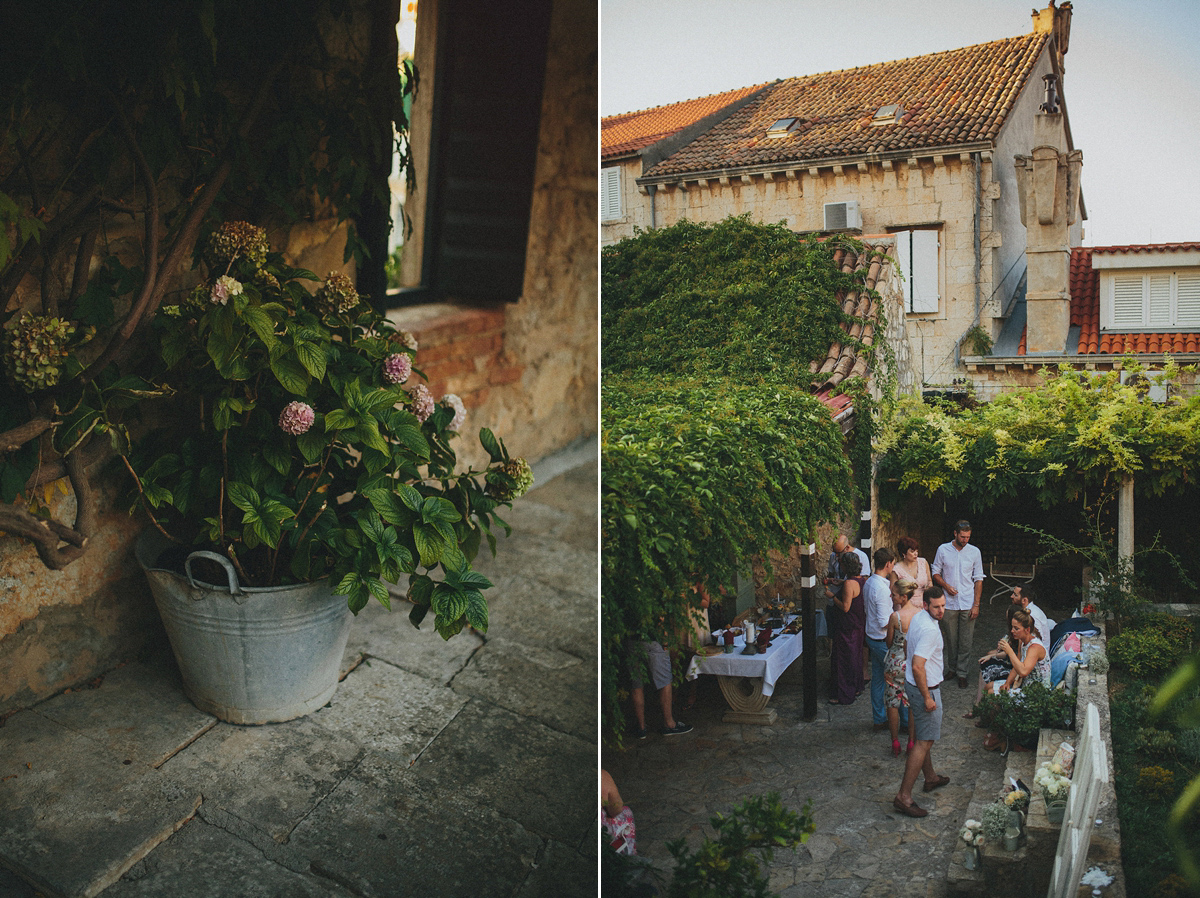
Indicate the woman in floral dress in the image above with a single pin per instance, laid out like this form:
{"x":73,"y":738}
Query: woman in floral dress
{"x":911,"y":566}
{"x":908,"y":605}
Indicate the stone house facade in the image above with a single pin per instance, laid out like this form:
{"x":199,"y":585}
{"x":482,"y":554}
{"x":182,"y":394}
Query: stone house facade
{"x":920,"y":149}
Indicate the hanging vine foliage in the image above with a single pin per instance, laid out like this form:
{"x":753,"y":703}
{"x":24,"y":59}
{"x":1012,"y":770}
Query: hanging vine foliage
{"x":1078,"y":430}
{"x":713,"y":451}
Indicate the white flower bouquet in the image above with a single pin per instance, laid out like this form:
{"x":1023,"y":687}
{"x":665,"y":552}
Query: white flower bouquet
{"x":972,"y":833}
{"x":1055,"y":785}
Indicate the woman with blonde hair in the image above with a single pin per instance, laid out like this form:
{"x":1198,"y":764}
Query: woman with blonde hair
{"x":907,"y":607}
{"x":1031,"y":658}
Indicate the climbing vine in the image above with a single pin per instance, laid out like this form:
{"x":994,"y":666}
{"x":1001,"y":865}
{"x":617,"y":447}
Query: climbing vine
{"x":713,"y":449}
{"x":1078,"y":430}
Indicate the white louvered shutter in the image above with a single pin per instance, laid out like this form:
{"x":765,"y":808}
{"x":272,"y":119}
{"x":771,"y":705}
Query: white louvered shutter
{"x":1188,"y":300}
{"x":610,"y":193}
{"x":1159,"y":305}
{"x":1127,"y":301}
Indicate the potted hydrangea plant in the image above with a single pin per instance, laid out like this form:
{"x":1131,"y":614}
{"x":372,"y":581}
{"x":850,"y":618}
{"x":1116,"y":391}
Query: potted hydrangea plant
{"x":296,"y":467}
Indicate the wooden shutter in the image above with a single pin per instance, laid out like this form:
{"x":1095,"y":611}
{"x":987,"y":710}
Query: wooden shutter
{"x":1188,"y":299}
{"x":917,"y":252}
{"x":1159,"y":305}
{"x":610,"y":193}
{"x":1127,"y":301}
{"x":488,"y":77}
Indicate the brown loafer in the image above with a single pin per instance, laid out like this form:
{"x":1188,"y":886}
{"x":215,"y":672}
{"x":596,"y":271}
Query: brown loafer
{"x":910,"y":810}
{"x":937,"y":783}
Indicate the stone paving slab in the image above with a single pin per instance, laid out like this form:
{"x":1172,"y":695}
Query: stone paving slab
{"x":386,"y":832}
{"x":270,"y":775}
{"x":202,"y":859}
{"x":487,"y":748}
{"x":60,"y":790}
{"x":389,"y":635}
{"x":530,"y":611}
{"x":560,"y":870}
{"x":550,"y":686}
{"x":139,"y":711}
{"x":391,"y":712}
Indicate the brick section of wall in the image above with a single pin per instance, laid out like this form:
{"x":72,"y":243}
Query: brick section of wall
{"x":462,"y":351}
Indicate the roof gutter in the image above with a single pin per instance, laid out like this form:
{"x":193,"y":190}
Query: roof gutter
{"x":714,"y":174}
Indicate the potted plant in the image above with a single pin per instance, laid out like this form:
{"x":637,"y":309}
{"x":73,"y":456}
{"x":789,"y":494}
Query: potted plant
{"x":293,"y":467}
{"x":1056,"y":787}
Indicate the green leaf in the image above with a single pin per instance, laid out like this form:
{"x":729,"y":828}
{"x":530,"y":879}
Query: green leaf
{"x":417,"y":614}
{"x":243,"y":496}
{"x":435,"y":509}
{"x":388,"y":505}
{"x":339,"y":419}
{"x":429,"y":544}
{"x":262,"y":324}
{"x":490,"y":444}
{"x":277,"y":456}
{"x":311,"y":357}
{"x":291,"y":375}
{"x":477,"y":611}
{"x":409,"y":496}
{"x":379,"y":591}
{"x":311,"y":445}
{"x":420,"y":590}
{"x":411,"y":438}
{"x":75,"y":428}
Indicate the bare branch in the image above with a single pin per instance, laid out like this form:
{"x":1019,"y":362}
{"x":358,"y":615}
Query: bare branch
{"x":83,"y":263}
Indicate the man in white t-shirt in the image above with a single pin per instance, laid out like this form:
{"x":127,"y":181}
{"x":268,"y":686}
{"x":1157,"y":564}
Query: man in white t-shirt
{"x":922,"y":684}
{"x":1022,"y":597}
{"x":958,"y":570}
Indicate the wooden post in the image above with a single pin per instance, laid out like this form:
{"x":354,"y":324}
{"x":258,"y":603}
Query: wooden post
{"x":864,"y":537}
{"x":808,"y":616}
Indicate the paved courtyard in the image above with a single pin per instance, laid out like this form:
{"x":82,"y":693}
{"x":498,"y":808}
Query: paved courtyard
{"x":862,"y":847}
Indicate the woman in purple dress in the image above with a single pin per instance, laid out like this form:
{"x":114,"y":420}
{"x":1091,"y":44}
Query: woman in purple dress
{"x":847,"y":631}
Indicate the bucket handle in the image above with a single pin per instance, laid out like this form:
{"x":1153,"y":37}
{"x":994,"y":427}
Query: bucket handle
{"x":234,"y":588}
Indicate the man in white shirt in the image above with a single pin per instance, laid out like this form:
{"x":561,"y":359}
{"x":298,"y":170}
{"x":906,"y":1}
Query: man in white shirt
{"x":1022,"y":596}
{"x":958,"y":570}
{"x":834,"y":569}
{"x":922,"y":684}
{"x":877,"y":598}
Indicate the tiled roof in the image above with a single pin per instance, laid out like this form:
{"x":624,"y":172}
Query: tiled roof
{"x":1085,"y":306}
{"x":631,"y":131}
{"x":949,"y":99}
{"x":844,"y":360}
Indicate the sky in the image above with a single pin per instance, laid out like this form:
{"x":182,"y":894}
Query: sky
{"x":1131,"y":83}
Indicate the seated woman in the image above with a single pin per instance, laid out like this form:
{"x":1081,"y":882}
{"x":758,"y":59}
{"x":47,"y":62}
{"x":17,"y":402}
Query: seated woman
{"x":994,"y":667}
{"x":847,"y":634}
{"x":1031,"y":660}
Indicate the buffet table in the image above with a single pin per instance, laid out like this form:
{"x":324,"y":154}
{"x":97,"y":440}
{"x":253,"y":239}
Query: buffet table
{"x":748,"y":681}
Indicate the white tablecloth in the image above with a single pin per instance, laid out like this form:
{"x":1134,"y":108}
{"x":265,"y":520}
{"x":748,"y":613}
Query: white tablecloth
{"x":769,"y":665}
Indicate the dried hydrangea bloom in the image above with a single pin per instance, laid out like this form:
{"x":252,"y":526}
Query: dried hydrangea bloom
{"x":337,"y":296}
{"x":522,"y":477}
{"x":224,"y":288}
{"x":397,"y":367}
{"x":296,"y":418}
{"x":408,"y":339}
{"x":36,"y":349}
{"x":460,"y":411}
{"x":422,"y":402}
{"x":237,"y":240}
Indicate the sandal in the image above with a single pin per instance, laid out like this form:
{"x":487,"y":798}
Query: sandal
{"x":992,"y":742}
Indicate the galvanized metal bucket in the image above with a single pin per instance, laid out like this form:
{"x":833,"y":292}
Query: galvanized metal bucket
{"x":249,"y":655}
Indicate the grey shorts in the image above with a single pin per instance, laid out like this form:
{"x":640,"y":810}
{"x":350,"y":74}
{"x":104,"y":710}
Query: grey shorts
{"x":927,"y":725}
{"x":658,"y":662}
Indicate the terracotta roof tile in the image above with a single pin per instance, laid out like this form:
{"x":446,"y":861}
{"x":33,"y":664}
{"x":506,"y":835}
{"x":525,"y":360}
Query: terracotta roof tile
{"x":843,"y":359}
{"x":1085,"y":306}
{"x":949,"y":99}
{"x":631,"y":131}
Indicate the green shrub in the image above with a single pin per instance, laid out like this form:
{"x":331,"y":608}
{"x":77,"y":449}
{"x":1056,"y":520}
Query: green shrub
{"x":1145,"y":653}
{"x":1154,"y":741}
{"x":1020,"y":715}
{"x":1179,"y":631}
{"x":1156,"y":782}
{"x":729,"y":866}
{"x":1188,"y":744}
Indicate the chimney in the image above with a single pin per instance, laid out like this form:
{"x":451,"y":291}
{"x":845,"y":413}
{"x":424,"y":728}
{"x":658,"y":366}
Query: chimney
{"x":1048,"y":193}
{"x":1056,"y":22}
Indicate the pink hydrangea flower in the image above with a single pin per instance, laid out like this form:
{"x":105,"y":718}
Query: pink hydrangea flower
{"x":460,"y":411}
{"x":296,"y":418}
{"x":422,"y":402}
{"x":397,"y":367}
{"x":224,"y":288}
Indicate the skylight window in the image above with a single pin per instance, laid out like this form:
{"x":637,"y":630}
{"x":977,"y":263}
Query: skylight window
{"x":888,"y":115}
{"x":782,"y":128}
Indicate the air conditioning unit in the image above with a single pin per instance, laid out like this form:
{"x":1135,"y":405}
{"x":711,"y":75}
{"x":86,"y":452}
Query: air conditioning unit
{"x":842,"y":216}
